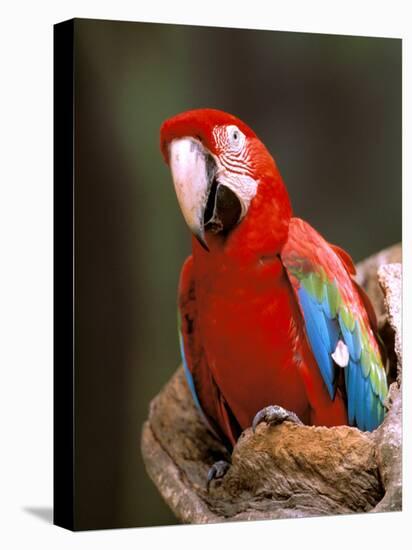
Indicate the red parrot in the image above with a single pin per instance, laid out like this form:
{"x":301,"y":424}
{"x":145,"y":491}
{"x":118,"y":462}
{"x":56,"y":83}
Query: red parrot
{"x":272,"y":325}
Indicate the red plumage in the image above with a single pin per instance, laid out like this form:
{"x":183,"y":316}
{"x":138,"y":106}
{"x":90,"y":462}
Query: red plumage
{"x":243,"y":332}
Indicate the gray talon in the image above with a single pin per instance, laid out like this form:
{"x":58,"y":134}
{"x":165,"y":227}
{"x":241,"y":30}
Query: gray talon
{"x":217,"y":471}
{"x":274,"y":415}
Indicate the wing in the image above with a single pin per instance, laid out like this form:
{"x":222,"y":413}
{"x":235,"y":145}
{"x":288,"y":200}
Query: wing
{"x":339,"y":322}
{"x":205,"y":392}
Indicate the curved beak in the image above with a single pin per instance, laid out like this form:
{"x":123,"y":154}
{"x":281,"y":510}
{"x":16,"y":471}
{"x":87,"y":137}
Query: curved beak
{"x":206,"y":204}
{"x":193,"y":170}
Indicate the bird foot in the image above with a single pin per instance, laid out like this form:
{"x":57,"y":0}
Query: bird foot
{"x":217,"y":471}
{"x":274,"y":415}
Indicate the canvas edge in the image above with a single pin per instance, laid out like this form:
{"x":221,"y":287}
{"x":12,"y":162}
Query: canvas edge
{"x":63,"y":267}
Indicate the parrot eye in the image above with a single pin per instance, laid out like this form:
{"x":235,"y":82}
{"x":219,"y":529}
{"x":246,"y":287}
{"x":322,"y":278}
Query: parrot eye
{"x":236,"y":137}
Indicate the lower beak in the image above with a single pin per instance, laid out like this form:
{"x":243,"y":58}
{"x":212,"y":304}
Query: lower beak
{"x":205,"y":203}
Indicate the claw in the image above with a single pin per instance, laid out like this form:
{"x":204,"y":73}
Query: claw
{"x":274,"y":415}
{"x":217,"y":471}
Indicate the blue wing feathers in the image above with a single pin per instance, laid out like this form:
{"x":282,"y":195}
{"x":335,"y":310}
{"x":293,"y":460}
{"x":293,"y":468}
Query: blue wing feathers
{"x":360,"y":399}
{"x":347,"y":335}
{"x":365,"y":363}
{"x":334,"y":334}
{"x":324,"y":328}
{"x":325,"y":304}
{"x":370,"y":420}
{"x":318,"y":335}
{"x":351,"y":385}
{"x":356,"y":343}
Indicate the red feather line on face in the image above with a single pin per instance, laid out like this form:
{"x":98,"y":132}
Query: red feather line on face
{"x":234,"y":161}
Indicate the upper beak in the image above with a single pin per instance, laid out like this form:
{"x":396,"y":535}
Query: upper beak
{"x":206,"y":202}
{"x":193,"y":170}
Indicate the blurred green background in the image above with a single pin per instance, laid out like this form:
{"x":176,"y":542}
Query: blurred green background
{"x":327,"y":107}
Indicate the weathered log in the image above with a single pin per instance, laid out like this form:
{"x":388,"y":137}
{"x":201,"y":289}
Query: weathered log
{"x":366,"y":276}
{"x":285,"y":470}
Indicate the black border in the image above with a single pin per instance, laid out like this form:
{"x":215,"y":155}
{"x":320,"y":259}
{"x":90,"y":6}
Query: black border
{"x":63,"y":248}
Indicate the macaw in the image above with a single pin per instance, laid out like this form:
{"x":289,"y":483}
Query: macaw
{"x":272,"y":326}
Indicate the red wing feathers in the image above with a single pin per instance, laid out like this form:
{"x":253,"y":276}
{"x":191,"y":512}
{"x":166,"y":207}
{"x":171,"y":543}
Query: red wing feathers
{"x":205,"y":391}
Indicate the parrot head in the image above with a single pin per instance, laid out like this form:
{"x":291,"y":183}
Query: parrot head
{"x":217,"y":164}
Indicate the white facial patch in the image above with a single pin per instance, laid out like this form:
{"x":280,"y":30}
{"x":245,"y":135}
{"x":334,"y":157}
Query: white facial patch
{"x":233,"y":163}
{"x":243,"y":186}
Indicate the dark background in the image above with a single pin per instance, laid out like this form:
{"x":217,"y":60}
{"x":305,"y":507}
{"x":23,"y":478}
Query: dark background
{"x":327,"y":107}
